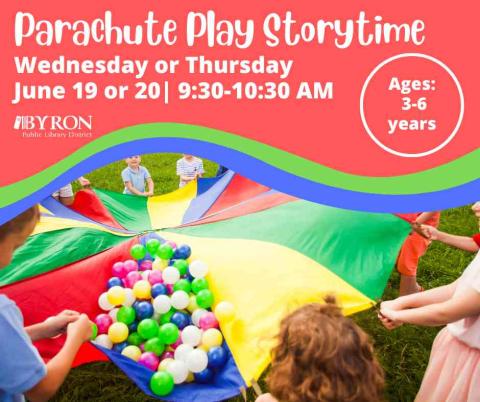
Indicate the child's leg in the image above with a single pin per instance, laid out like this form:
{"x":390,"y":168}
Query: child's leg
{"x":413,"y":248}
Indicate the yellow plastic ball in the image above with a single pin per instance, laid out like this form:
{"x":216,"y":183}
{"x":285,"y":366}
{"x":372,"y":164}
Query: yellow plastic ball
{"x":205,"y":348}
{"x":192,"y":306}
{"x":132,"y":352}
{"x":118,"y":332}
{"x":116,"y":295}
{"x":142,"y":290}
{"x":164,"y":364}
{"x":212,"y":337}
{"x":224,"y":311}
{"x":159,"y":264}
{"x":190,"y":377}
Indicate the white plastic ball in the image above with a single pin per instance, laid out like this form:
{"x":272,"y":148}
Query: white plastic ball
{"x":182,"y":352}
{"x":197,"y":360}
{"x":162,"y":304}
{"x":103,"y":340}
{"x":113,"y":313}
{"x":170,"y":275}
{"x":145,"y":275}
{"x":197,"y":314}
{"x":198,"y":269}
{"x":104,"y":303}
{"x":178,"y":370}
{"x":191,"y":335}
{"x":129,"y":298}
{"x":180,"y":299}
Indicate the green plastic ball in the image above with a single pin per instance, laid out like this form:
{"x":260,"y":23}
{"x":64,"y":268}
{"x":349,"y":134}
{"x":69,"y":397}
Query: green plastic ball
{"x":94,"y":331}
{"x":147,"y":328}
{"x":165,"y":318}
{"x":182,"y":266}
{"x":168,"y":333}
{"x":135,"y":339}
{"x":205,"y":298}
{"x":199,"y":284}
{"x":138,"y":252}
{"x":183,"y":284}
{"x":126,"y":315}
{"x":165,"y":252}
{"x":161,"y":383}
{"x":152,"y":246}
{"x":154,"y":345}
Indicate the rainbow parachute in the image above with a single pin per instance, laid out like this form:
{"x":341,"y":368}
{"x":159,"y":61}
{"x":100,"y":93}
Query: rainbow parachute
{"x":268,"y":253}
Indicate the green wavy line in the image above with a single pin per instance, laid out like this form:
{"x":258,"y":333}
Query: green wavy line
{"x":452,"y":174}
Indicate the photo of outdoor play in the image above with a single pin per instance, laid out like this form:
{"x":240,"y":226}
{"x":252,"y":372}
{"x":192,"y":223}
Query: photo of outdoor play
{"x":170,"y":277}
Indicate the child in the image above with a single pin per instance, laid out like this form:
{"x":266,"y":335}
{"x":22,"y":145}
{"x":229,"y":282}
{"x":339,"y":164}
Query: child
{"x":65,"y":194}
{"x":415,"y":246}
{"x":134,"y":177}
{"x":466,"y":243}
{"x":189,"y":168}
{"x":22,"y":371}
{"x":453,"y":372}
{"x":323,"y":356}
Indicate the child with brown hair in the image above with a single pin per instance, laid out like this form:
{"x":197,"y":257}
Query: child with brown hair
{"x":323,"y":356}
{"x":22,"y":371}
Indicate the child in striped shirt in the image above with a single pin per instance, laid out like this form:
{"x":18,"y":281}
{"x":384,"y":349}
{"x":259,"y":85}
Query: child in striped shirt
{"x":189,"y":168}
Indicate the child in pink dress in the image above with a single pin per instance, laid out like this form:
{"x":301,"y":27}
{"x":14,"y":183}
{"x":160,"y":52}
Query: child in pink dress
{"x":453,"y":372}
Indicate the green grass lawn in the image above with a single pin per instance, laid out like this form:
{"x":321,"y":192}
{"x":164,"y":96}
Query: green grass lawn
{"x":403,"y":353}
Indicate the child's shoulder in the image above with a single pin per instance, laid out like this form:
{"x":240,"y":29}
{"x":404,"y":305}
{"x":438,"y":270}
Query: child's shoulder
{"x":5,"y":302}
{"x":9,"y":310}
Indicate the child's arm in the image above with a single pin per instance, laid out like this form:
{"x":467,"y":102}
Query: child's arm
{"x":442,"y":313}
{"x":57,"y":368}
{"x":462,"y":242}
{"x":420,"y":299}
{"x":132,"y":189}
{"x":150,"y":186}
{"x":187,"y":178}
{"x":424,"y":217}
{"x":52,"y":326}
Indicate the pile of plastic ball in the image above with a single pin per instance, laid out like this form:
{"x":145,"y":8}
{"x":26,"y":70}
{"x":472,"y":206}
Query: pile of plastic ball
{"x":158,"y":312}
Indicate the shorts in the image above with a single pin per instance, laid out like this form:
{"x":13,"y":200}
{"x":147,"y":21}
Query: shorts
{"x":64,"y":192}
{"x":414,"y":247}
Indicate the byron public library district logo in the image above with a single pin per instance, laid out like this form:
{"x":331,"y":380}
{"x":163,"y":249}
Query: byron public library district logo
{"x":54,"y":126}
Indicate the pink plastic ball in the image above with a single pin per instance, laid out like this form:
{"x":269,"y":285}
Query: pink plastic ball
{"x":155,"y":277}
{"x":208,"y":320}
{"x":132,"y":278}
{"x":149,"y":360}
{"x":177,"y":343}
{"x":172,"y":244}
{"x":167,"y":355}
{"x":119,"y":270}
{"x":103,"y":322}
{"x":146,"y":265}
{"x":142,"y":347}
{"x":131,"y":265}
{"x":169,"y":289}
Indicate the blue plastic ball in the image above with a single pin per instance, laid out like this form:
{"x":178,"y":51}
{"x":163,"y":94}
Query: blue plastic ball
{"x":204,"y":376}
{"x":133,"y":327}
{"x":181,"y":320}
{"x":144,"y":310}
{"x":171,"y":262}
{"x":182,"y":252}
{"x":114,"y":282}
{"x":217,"y":357}
{"x":189,"y":277}
{"x":158,"y":289}
{"x":118,"y":347}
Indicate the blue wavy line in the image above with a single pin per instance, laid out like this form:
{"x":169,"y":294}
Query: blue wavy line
{"x":263,"y":173}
